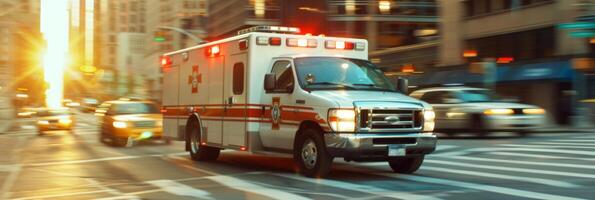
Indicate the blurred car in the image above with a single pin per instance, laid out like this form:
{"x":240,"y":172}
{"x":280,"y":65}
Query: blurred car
{"x":101,"y":109}
{"x":88,"y":104}
{"x":70,"y":103}
{"x":479,"y":110}
{"x":26,"y":112}
{"x":127,"y":121}
{"x":54,"y":119}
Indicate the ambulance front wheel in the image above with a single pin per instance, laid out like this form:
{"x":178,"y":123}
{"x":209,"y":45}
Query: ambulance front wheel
{"x":198,"y":151}
{"x":310,"y":154}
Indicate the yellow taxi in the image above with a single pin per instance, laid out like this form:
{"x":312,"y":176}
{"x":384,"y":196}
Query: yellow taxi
{"x":54,"y":119}
{"x":125,"y":122}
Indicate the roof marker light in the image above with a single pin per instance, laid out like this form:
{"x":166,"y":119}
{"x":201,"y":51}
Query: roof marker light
{"x":166,"y":61}
{"x":360,"y":46}
{"x":213,"y":51}
{"x":262,"y":40}
{"x":302,"y":42}
{"x":275,"y":41}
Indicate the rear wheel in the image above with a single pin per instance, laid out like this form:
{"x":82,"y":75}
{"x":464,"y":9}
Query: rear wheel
{"x":405,"y":165}
{"x":310,"y":154}
{"x":198,"y":151}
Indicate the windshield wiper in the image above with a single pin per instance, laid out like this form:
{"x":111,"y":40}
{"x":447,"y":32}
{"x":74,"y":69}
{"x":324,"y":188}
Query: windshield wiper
{"x":331,"y":83}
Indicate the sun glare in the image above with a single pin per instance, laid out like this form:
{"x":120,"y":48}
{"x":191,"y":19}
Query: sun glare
{"x":54,"y":26}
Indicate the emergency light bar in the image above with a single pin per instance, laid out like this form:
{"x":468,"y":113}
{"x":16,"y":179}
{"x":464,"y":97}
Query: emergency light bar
{"x":269,"y":29}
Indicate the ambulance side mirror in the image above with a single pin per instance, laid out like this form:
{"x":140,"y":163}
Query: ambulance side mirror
{"x":403,"y":85}
{"x":270,"y":82}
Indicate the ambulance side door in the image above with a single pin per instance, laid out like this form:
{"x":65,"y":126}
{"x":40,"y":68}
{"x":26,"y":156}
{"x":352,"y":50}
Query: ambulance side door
{"x":279,"y":132}
{"x":234,"y":123}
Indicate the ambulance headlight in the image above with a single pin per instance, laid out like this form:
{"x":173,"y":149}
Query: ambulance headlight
{"x":342,"y":120}
{"x":429,"y":120}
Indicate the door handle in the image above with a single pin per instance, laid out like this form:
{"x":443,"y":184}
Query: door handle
{"x":230,"y":100}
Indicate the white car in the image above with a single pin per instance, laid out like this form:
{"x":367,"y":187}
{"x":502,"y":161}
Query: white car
{"x":478,"y":110}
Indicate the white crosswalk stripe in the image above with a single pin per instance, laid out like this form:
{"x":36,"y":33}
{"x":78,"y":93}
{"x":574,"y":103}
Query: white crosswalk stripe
{"x":565,"y":143}
{"x":546,"y":146}
{"x":239,"y":184}
{"x":503,"y":176}
{"x":179,"y":189}
{"x":540,"y":156}
{"x":361,"y":188}
{"x":524,"y":162}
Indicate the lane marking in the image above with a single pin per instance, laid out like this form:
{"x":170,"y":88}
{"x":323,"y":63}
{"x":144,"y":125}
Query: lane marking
{"x":502,"y":176}
{"x":99,"y":159}
{"x":482,"y":187}
{"x":111,"y":191}
{"x":539,"y":156}
{"x":545,"y":146}
{"x":445,"y":147}
{"x":503,"y":149}
{"x":239,"y":184}
{"x":565,"y":143}
{"x":513,"y":169}
{"x":360,"y":188}
{"x":567,"y":140}
{"x":62,"y":195}
{"x":179,"y":189}
{"x":524,"y":162}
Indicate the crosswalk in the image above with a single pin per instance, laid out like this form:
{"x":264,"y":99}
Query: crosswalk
{"x":557,"y":169}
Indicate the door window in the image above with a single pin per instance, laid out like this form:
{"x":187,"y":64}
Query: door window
{"x":284,"y":74}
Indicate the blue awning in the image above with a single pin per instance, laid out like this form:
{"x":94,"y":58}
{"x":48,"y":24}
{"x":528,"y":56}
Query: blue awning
{"x":558,"y":70}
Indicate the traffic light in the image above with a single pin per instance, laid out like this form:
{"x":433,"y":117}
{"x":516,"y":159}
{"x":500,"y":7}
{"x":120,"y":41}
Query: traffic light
{"x":159,"y":36}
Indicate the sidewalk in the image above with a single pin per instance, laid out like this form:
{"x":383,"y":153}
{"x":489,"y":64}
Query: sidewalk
{"x":5,"y":124}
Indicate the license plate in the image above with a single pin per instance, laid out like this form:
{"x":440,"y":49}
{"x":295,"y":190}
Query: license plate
{"x":396,"y":150}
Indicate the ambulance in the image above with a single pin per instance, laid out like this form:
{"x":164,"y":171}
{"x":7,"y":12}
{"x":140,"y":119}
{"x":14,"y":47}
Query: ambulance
{"x":270,"y":90}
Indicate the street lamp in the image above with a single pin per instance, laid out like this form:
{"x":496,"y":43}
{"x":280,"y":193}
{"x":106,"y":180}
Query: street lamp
{"x":185,"y":32}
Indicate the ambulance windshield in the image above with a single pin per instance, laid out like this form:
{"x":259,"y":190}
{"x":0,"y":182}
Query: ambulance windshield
{"x":333,"y":73}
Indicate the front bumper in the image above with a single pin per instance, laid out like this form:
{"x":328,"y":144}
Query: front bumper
{"x":514,"y":123}
{"x":374,"y":146}
{"x":53,"y":126}
{"x":138,"y":133}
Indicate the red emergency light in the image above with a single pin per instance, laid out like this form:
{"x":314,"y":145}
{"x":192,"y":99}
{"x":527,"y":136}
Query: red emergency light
{"x":504,"y":60}
{"x":275,"y":41}
{"x":166,"y":61}
{"x":213,"y":51}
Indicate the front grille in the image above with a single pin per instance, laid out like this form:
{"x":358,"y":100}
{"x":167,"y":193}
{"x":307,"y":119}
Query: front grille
{"x":144,"y":124}
{"x":390,"y":119}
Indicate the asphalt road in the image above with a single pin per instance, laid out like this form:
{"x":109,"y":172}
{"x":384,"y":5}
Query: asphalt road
{"x":64,"y":165}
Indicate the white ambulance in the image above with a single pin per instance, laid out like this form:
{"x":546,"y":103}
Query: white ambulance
{"x":270,"y":90}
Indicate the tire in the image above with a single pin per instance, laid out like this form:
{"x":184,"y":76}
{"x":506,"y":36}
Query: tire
{"x":478,"y":125}
{"x":198,"y":151}
{"x":310,"y":154}
{"x":524,"y":133}
{"x":405,"y":165}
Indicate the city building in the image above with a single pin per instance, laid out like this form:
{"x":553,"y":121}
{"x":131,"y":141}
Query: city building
{"x":520,"y":49}
{"x":21,"y":77}
{"x":387,"y":24}
{"x":171,"y":25}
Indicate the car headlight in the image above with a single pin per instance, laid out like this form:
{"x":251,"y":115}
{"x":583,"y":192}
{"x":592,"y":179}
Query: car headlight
{"x":119,"y":124}
{"x":429,"y":120}
{"x":534,"y":111}
{"x":498,"y":111}
{"x":43,"y":122}
{"x":342,"y":120}
{"x":65,"y":121}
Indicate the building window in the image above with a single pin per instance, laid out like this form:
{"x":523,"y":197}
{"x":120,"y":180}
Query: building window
{"x":533,"y":44}
{"x":481,"y":7}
